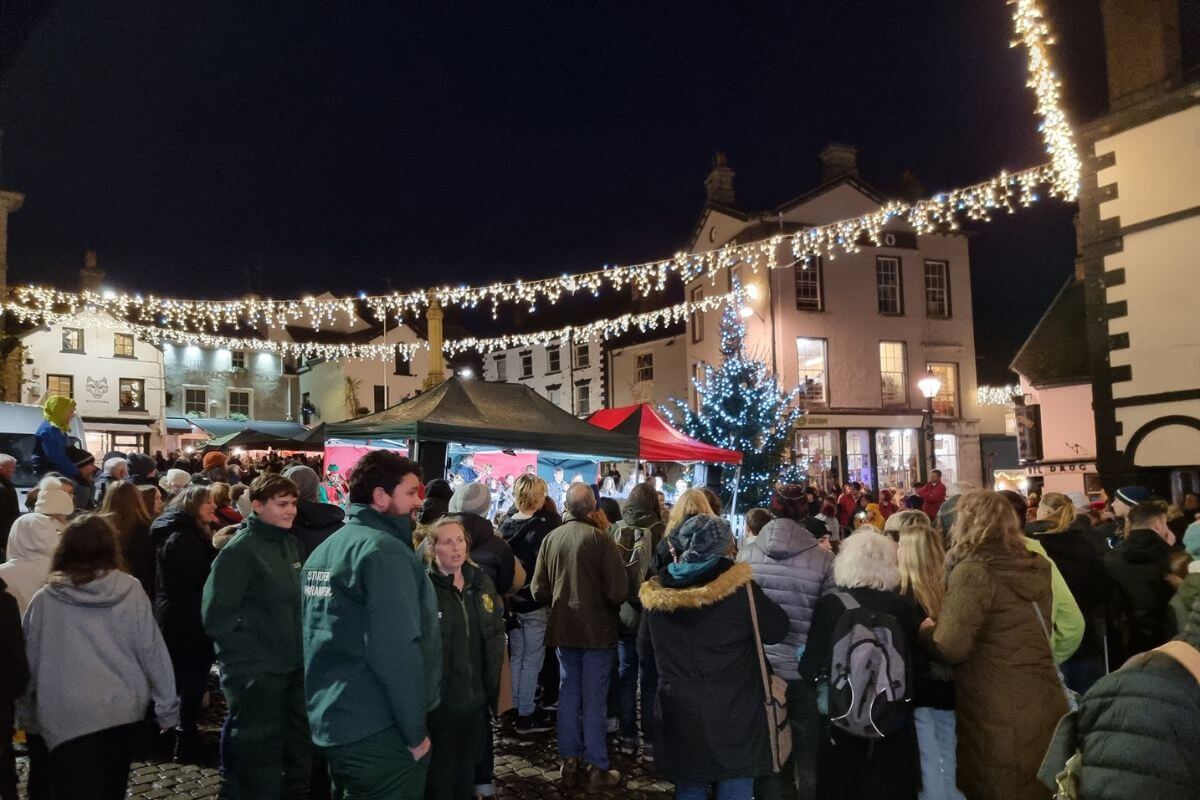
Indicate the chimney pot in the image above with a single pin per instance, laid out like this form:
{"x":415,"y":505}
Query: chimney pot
{"x":838,"y":160}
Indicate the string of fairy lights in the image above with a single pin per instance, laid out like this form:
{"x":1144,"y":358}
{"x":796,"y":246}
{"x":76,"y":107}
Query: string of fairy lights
{"x":198,"y":321}
{"x":601,"y":330}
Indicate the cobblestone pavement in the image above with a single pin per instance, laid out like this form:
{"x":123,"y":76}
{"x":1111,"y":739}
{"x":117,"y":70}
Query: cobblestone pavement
{"x":526,"y":769}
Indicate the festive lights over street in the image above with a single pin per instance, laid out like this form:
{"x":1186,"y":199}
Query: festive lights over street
{"x":198,"y":321}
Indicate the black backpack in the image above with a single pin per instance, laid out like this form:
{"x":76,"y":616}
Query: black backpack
{"x":870,"y":682}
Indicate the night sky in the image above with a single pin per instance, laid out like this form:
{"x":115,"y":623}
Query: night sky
{"x":209,"y":149}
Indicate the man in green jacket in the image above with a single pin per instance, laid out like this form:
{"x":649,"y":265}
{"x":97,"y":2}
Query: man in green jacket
{"x":580,"y":575}
{"x":251,"y":609}
{"x":372,"y":642}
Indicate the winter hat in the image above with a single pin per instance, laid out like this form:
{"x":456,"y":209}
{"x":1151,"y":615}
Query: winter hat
{"x":1132,"y":495}
{"x":80,"y":457}
{"x":702,"y":537}
{"x":1191,"y":540}
{"x":306,"y":481}
{"x":141,"y":465}
{"x":53,"y":499}
{"x":1080,"y":501}
{"x":175,"y":479}
{"x":788,"y":501}
{"x":471,"y":498}
{"x":214,"y":458}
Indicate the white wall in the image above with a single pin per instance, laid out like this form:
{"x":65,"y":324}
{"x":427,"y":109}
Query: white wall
{"x":542,"y":379}
{"x":1157,"y":174}
{"x":1068,"y":428}
{"x":670,"y":372}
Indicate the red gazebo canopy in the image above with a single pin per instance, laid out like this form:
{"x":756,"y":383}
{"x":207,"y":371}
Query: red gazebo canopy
{"x":657,"y":440}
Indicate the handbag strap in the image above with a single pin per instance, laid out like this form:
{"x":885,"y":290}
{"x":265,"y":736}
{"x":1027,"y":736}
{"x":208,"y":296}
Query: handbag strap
{"x":1187,"y":656}
{"x":758,"y":645}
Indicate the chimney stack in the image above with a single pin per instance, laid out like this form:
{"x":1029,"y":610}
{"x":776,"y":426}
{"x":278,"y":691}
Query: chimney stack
{"x":9,"y":202}
{"x":1143,"y":47}
{"x":719,"y":182}
{"x":838,"y":160}
{"x":91,"y":276}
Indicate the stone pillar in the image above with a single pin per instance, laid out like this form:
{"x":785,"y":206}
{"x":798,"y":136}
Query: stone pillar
{"x":91,"y":277}
{"x":433,"y":324}
{"x":9,"y":202}
{"x":12,"y":374}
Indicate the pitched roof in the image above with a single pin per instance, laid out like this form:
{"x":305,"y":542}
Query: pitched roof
{"x":1056,"y":353}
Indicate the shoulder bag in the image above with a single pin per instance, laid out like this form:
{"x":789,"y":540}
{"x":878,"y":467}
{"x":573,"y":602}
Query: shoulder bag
{"x":779,"y":731}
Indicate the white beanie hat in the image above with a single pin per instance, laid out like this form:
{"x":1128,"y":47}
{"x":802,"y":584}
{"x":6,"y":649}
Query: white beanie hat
{"x":52,"y":498}
{"x":471,"y":498}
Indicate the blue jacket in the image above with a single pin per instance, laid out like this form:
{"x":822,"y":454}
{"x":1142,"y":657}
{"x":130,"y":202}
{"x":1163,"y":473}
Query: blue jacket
{"x":50,"y":451}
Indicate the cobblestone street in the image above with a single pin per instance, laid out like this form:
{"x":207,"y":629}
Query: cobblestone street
{"x":526,"y":769}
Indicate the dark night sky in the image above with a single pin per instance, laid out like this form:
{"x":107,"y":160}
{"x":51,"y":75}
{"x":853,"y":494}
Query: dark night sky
{"x":209,"y":149}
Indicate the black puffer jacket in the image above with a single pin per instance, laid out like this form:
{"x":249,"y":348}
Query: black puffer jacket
{"x":1137,"y":730}
{"x":490,"y":552}
{"x":1138,"y":566}
{"x":1083,"y":570}
{"x":710,"y":723}
{"x":314,"y":523}
{"x":183,"y":556}
{"x":524,"y":536}
{"x":14,"y":675}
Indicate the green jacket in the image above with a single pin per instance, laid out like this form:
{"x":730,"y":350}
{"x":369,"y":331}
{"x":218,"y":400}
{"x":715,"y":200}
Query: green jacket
{"x":372,"y":643}
{"x":1180,"y":607}
{"x":1066,"y":620}
{"x":580,"y":575}
{"x":251,"y":603}
{"x":472,"y":641}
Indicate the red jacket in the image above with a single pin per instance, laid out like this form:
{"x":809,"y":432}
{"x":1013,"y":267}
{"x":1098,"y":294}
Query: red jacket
{"x":932,"y":496}
{"x":847,"y":505}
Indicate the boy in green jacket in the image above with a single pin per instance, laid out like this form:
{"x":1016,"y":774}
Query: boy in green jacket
{"x":251,"y":609}
{"x":372,"y":642}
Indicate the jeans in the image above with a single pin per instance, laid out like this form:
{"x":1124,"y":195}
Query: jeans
{"x":936,"y":740}
{"x":527,"y":646}
{"x":582,"y":701}
{"x":627,"y":687}
{"x":798,"y":778}
{"x":95,"y":766}
{"x":728,"y":789}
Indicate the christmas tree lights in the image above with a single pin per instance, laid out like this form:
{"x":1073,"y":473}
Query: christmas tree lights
{"x":741,"y":407}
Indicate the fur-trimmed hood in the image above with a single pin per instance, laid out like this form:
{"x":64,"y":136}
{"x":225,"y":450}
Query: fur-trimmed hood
{"x":656,"y":597}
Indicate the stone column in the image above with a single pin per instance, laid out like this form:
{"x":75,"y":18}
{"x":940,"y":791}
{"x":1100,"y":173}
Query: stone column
{"x":9,"y":202}
{"x":433,"y":324}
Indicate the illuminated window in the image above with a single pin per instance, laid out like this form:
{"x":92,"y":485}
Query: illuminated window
{"x":945,"y":402}
{"x":132,"y":394}
{"x":123,"y":345}
{"x":72,"y":340}
{"x":60,"y":384}
{"x":893,"y":370}
{"x":945,"y":453}
{"x":811,"y":361}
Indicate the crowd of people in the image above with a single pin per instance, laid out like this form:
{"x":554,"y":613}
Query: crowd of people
{"x":964,"y":643}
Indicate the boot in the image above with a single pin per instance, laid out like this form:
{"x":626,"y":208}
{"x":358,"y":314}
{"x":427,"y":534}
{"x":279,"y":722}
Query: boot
{"x":600,"y":779}
{"x":187,"y":747}
{"x":568,"y":773}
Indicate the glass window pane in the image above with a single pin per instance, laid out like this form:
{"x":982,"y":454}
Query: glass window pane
{"x":645,"y":367}
{"x":945,"y":451}
{"x":945,"y":402}
{"x":896,"y":453}
{"x":888,"y":285}
{"x":810,"y":355}
{"x":858,"y":458}
{"x":697,"y":317}
{"x":816,"y":455}
{"x":937,"y":289}
{"x":893,"y":371}
{"x":808,"y":284}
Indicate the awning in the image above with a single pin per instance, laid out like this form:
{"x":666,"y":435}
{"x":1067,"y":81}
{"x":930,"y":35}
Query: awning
{"x":118,"y":425}
{"x":178,"y":425}
{"x":658,"y":441}
{"x":223,"y":427}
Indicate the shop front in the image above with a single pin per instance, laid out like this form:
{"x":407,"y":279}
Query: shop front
{"x":876,"y":451}
{"x":122,"y":435}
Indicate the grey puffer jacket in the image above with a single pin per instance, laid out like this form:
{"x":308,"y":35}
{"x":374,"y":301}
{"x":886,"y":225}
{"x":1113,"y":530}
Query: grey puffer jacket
{"x":794,"y":571}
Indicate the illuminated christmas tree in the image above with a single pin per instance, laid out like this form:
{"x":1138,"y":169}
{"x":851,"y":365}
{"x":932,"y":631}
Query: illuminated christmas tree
{"x":743,"y":408}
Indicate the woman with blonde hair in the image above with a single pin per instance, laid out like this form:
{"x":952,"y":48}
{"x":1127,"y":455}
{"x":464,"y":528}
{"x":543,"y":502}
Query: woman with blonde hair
{"x":1061,"y":534}
{"x":994,"y":627}
{"x":687,"y":505}
{"x":922,"y":559}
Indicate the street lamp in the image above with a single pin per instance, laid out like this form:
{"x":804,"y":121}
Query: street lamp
{"x":930,"y":385}
{"x":467,"y":372}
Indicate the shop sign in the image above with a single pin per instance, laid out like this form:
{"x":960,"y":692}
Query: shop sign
{"x":1059,"y":469}
{"x":807,"y":421}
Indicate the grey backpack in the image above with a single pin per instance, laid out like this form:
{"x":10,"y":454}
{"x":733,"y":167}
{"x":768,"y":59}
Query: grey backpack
{"x":870,"y":686}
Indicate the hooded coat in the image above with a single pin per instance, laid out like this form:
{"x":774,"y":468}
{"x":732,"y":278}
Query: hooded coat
{"x":794,"y":571}
{"x":1138,"y":567}
{"x":579,"y":574}
{"x":314,"y":523}
{"x":31,"y":545}
{"x":710,"y":724}
{"x":524,"y":536}
{"x":1008,"y":694}
{"x":14,"y":676}
{"x":1085,"y":576}
{"x":50,"y":445}
{"x":184,"y":557}
{"x":1137,"y":729}
{"x":96,"y":659}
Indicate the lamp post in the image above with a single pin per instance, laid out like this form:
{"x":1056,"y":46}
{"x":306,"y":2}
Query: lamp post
{"x":929,"y":385}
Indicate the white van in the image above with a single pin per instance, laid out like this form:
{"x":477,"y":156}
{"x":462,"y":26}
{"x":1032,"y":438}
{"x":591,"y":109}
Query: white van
{"x":18,"y":422}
